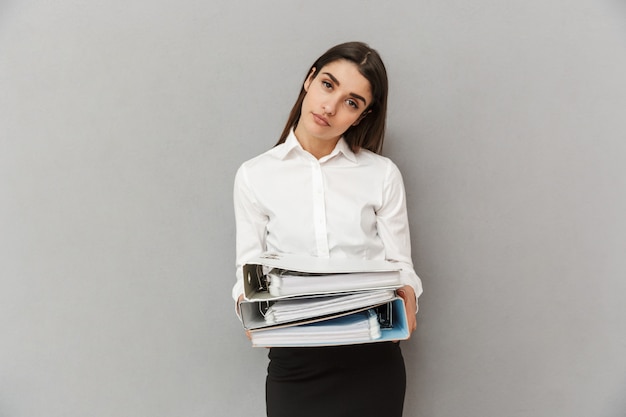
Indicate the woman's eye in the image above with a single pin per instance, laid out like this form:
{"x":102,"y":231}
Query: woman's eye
{"x":327,"y":84}
{"x":352,"y":103}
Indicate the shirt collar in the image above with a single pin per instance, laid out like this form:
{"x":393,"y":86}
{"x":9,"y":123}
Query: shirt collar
{"x":291,"y":144}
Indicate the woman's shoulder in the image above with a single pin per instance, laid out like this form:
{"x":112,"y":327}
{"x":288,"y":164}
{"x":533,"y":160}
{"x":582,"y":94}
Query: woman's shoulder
{"x":368,"y":157}
{"x":262,"y":160}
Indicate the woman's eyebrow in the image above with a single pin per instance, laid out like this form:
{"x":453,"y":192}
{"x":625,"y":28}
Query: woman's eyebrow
{"x":336,"y":81}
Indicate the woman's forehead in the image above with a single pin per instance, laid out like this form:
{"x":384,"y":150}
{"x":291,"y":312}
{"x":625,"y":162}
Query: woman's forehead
{"x":347,"y":74}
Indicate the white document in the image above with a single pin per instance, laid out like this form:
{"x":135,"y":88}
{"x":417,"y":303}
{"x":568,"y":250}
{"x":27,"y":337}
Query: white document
{"x":269,"y":277}
{"x":282,"y":284}
{"x":288,"y":310}
{"x":317,"y":265}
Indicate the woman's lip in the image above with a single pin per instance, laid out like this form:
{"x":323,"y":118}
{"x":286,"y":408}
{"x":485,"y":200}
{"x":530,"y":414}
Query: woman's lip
{"x":320,"y":120}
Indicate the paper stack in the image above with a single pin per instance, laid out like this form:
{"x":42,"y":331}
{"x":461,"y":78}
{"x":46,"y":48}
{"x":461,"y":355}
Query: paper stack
{"x":292,"y":300}
{"x":358,"y":327}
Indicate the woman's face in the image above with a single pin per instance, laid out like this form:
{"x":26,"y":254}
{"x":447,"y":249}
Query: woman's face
{"x":337,"y":98}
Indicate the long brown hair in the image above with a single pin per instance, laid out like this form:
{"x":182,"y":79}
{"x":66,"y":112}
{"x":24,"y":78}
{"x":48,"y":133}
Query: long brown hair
{"x":369,"y":133}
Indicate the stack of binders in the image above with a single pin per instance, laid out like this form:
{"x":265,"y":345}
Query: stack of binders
{"x":292,"y":300}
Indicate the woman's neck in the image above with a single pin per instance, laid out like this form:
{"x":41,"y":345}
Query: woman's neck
{"x":317,"y":147}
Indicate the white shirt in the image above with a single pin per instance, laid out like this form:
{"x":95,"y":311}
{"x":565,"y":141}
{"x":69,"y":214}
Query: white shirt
{"x":344,"y":205}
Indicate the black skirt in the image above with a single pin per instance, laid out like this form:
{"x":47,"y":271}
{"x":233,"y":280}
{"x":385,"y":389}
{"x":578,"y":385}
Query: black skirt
{"x":366,"y":380}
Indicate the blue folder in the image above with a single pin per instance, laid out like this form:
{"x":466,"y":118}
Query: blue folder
{"x":331,"y":330}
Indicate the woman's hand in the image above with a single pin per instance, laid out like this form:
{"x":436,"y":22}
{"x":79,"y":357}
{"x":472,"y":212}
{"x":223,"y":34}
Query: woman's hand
{"x":239,"y":302}
{"x":407,"y":293}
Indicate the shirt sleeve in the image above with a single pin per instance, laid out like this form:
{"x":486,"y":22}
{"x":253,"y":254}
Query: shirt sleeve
{"x":250,"y":222}
{"x":393,"y":227}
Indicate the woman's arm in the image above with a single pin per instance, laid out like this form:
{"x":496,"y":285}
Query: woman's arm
{"x":393,"y":229}
{"x":251,"y":223}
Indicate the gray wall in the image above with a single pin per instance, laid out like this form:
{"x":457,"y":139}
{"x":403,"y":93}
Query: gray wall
{"x":122,"y":124}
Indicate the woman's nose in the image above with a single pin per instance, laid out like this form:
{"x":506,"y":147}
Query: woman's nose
{"x":329,"y":108}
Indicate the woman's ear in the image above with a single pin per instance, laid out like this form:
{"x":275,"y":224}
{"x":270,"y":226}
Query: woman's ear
{"x":309,"y":80}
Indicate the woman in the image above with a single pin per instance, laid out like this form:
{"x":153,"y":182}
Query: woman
{"x":324,"y":190}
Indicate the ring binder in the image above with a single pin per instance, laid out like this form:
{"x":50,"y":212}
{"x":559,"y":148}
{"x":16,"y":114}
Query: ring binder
{"x":317,"y":302}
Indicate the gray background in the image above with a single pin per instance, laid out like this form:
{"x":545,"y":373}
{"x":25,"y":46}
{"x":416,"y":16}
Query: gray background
{"x":121,"y":127}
